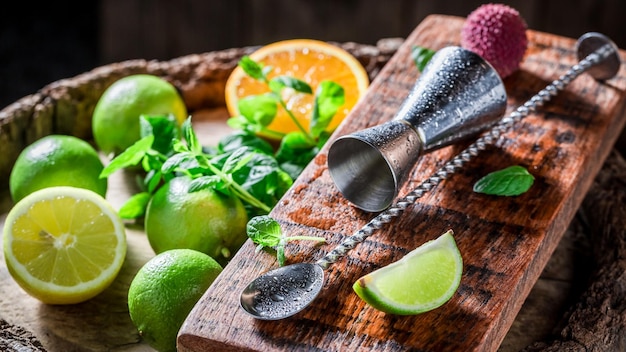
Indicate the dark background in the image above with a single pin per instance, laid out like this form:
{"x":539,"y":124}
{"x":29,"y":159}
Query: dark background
{"x":41,"y":42}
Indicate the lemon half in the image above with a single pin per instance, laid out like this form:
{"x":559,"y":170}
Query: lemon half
{"x":64,"y":245}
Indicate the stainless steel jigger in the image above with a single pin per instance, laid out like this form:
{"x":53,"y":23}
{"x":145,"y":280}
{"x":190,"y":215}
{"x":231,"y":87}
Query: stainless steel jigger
{"x":457,"y":96}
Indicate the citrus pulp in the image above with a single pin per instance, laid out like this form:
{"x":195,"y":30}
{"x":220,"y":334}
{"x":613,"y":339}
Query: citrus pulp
{"x":64,"y":245}
{"x":312,"y":61}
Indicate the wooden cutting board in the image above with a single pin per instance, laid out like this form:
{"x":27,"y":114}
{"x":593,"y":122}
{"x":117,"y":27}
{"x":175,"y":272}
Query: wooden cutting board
{"x":505,"y":241}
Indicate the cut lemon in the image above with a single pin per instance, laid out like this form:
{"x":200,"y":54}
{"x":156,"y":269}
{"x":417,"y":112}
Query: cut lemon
{"x":309,"y":60}
{"x":64,"y":245}
{"x":423,"y":280}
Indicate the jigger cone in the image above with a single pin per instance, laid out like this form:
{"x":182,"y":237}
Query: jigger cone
{"x":457,"y":96}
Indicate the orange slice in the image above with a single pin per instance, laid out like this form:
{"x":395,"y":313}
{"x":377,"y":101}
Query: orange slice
{"x":312,"y":61}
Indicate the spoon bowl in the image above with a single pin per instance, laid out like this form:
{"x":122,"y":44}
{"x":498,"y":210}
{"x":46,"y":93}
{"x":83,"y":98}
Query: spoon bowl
{"x":282,"y":292}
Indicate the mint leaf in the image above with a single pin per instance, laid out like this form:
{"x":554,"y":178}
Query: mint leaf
{"x":329,"y":97}
{"x":152,"y":180}
{"x":208,"y":182}
{"x":237,"y":160}
{"x":264,"y":231}
{"x":190,"y":137}
{"x":178,"y":162}
{"x":295,"y":152}
{"x":421,"y":56}
{"x":252,"y":68}
{"x":135,"y":206}
{"x":258,"y":109}
{"x":511,"y":181}
{"x":164,"y":128}
{"x":276,"y":84}
{"x":240,"y":122}
{"x":258,"y":174}
{"x":237,"y":139}
{"x":129,"y":157}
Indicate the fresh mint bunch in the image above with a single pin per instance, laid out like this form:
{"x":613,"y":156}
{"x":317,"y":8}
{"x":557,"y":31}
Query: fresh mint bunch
{"x":241,"y":164}
{"x":265,"y":232}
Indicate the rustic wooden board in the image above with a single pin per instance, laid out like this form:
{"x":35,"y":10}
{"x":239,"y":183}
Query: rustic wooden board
{"x":505,"y":241}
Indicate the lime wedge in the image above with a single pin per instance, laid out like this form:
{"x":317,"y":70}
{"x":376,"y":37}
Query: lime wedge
{"x":423,"y":280}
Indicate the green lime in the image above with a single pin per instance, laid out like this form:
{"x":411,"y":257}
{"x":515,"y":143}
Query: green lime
{"x":204,"y":220}
{"x":115,"y":120}
{"x":56,"y":160}
{"x":422,"y":280}
{"x":165,"y":290}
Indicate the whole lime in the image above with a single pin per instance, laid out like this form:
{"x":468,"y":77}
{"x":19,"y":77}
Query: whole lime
{"x":56,"y":160}
{"x":205,"y":220}
{"x":115,"y":120}
{"x":165,"y":290}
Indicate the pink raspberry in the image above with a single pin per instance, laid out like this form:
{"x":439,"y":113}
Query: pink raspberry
{"x":496,"y":32}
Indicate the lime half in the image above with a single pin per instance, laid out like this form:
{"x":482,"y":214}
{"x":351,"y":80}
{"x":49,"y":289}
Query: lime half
{"x":423,"y":280}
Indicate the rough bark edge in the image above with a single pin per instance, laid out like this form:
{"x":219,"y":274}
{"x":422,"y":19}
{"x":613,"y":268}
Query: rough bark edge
{"x":597,"y":321}
{"x":16,"y":339}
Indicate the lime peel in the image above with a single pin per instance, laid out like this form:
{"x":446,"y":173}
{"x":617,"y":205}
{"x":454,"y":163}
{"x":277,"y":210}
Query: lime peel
{"x":421,"y":281}
{"x":165,"y":290}
{"x":56,"y":160}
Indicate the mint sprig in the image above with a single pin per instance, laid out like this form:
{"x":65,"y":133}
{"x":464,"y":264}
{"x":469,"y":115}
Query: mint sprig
{"x":240,"y":165}
{"x":265,"y":232}
{"x":256,"y":113}
{"x":511,"y":181}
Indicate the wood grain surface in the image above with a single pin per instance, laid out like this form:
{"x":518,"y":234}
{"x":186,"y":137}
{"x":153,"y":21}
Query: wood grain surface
{"x":505,"y":241}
